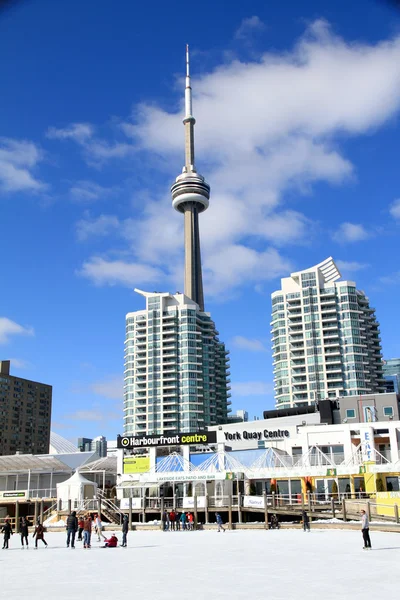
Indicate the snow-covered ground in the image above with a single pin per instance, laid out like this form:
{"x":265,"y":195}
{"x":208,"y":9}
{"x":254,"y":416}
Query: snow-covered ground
{"x":280,"y":564}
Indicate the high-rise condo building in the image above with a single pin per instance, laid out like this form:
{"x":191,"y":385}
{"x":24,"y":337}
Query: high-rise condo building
{"x":176,"y":369}
{"x":391,"y":373}
{"x":325,"y":338}
{"x":25,"y":414}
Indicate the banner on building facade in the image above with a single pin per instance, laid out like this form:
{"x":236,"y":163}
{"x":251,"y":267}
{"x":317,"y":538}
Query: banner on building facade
{"x":13,"y":495}
{"x":253,"y":501}
{"x":139,"y":464}
{"x":129,"y":442}
{"x":136,"y":503}
{"x":188,"y":502}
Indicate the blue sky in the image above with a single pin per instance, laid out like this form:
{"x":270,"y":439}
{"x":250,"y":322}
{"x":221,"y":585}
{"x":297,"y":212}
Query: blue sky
{"x":297,"y":108}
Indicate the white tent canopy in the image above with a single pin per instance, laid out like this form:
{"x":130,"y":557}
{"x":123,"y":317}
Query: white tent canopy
{"x":77,"y":489}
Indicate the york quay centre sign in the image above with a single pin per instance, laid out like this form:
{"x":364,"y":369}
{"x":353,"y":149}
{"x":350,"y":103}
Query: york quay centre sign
{"x":129,"y":442}
{"x":267,"y":434}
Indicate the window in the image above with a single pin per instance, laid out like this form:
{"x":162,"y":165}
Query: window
{"x":388,"y":411}
{"x":350,"y":413}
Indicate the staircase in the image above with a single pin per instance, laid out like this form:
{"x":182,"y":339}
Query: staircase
{"x":109,"y":509}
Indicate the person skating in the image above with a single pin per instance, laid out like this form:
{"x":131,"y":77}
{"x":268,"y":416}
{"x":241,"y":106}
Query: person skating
{"x":112,"y":542}
{"x":365,"y":530}
{"x":125,"y":529}
{"x":7,"y":530}
{"x":182,"y":520}
{"x":220,"y":523}
{"x":81,"y":523}
{"x":39,"y":534}
{"x":190,"y":519}
{"x":165,"y":521}
{"x":23,"y":531}
{"x":306,"y":520}
{"x":172,"y":519}
{"x":99,"y":528}
{"x":72,"y":528}
{"x":87,"y":531}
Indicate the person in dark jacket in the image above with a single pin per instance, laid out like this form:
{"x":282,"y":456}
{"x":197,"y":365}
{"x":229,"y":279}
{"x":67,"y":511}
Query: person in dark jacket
{"x":220,"y":523}
{"x":72,"y":528}
{"x":39,"y":534}
{"x":7,"y":530}
{"x":306,"y":520}
{"x":125,"y":529}
{"x":23,"y":531}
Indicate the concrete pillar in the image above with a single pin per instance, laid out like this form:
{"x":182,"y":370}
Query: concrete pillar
{"x":162,"y":524}
{"x":69,"y":506}
{"x":396,"y":513}
{"x":41,"y":510}
{"x":302,"y":501}
{"x":394,"y":447}
{"x":265,"y":510}
{"x":16,"y":515}
{"x":173,"y":497}
{"x":130,"y":513}
{"x":206,"y":508}
{"x":36,"y":514}
{"x":333,"y":507}
{"x":195,"y":511}
{"x":239,"y":501}
{"x":230,"y":510}
{"x":369,"y":510}
{"x":344,"y":509}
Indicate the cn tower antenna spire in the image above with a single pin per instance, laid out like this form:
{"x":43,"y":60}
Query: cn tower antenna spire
{"x":191,"y":196}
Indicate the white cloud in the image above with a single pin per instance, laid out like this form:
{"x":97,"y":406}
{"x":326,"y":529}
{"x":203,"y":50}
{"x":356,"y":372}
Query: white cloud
{"x":99,"y":226}
{"x":9,"y":328}
{"x":89,"y":191}
{"x":78,"y":132}
{"x":88,"y":415}
{"x":395,"y":209}
{"x":112,"y":388}
{"x":249,"y":26}
{"x":18,"y":160}
{"x":252,"y":388}
{"x":118,"y":272}
{"x":244,"y":343}
{"x":351,"y":232}
{"x":392,"y":279}
{"x":263,"y":128}
{"x":19,"y":363}
{"x":350,"y":266}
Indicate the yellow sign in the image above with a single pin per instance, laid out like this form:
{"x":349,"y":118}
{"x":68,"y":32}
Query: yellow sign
{"x":133,"y":464}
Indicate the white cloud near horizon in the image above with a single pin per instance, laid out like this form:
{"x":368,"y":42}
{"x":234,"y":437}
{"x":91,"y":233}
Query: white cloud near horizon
{"x":252,"y":388}
{"x":243,"y":343}
{"x":9,"y":328}
{"x":264,"y":127}
{"x":18,"y":160}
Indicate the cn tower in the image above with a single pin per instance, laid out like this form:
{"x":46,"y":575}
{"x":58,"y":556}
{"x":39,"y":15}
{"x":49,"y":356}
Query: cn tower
{"x":190,"y":196}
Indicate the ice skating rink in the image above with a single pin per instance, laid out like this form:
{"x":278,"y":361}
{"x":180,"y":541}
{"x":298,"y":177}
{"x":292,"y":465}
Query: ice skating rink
{"x":206,"y":565}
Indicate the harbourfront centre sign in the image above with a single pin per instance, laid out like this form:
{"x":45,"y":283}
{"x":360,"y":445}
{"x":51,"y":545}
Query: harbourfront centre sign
{"x":129,"y":442}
